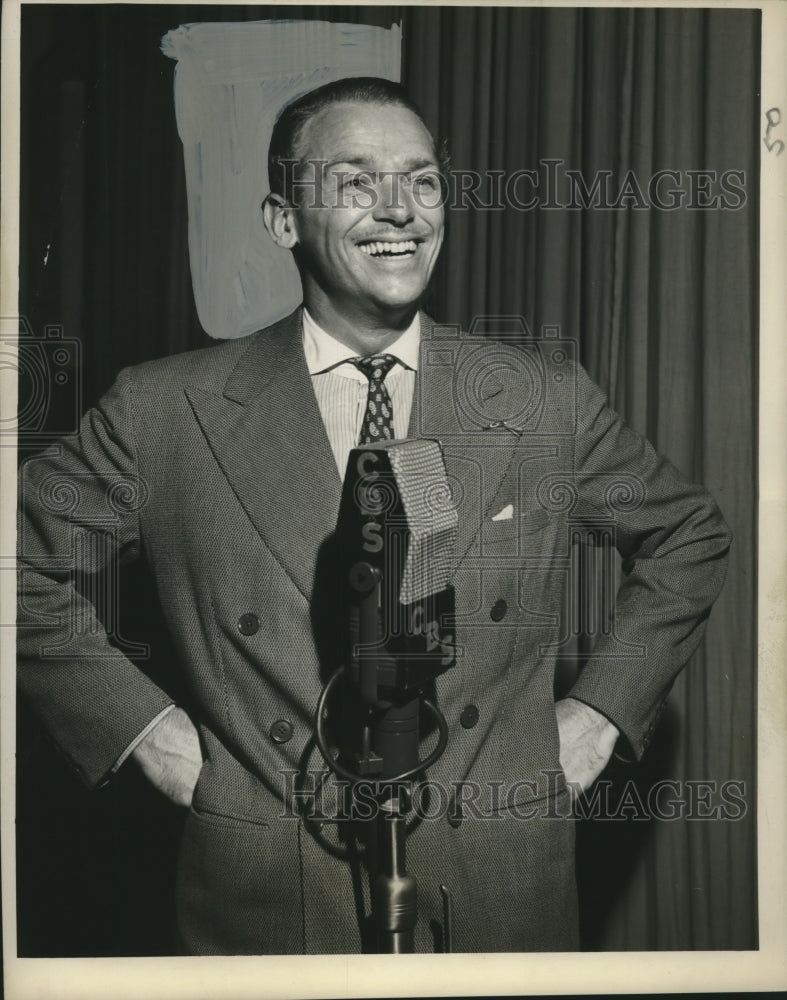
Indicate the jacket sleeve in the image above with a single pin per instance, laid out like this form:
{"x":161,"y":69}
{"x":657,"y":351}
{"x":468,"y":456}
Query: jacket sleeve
{"x":673,"y":541}
{"x":78,"y":517}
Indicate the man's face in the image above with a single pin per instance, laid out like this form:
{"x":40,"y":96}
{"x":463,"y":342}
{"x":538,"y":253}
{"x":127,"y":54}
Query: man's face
{"x":369,"y":239}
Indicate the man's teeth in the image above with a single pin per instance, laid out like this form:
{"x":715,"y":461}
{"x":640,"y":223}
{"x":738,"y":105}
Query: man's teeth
{"x":388,"y":249}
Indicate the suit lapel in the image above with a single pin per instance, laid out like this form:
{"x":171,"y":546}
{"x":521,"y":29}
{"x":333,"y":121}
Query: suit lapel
{"x":475,"y":459}
{"x":267,"y":434}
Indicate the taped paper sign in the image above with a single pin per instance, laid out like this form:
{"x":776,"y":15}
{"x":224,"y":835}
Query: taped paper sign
{"x":231,"y":81}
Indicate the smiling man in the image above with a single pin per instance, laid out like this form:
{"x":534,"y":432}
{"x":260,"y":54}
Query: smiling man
{"x":234,"y":458}
{"x":364,"y":241}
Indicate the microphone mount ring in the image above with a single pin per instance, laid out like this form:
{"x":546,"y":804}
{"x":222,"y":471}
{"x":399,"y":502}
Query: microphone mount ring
{"x":343,"y":772}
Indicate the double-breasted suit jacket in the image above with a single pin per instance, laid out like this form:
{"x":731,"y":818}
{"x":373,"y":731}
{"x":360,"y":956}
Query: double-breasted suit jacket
{"x":216,"y":466}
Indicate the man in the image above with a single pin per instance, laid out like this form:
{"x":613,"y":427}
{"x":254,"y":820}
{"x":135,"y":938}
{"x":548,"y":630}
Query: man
{"x":223,"y":467}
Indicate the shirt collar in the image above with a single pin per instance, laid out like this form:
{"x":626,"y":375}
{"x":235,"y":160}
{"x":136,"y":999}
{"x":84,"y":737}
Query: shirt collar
{"x":324,"y":351}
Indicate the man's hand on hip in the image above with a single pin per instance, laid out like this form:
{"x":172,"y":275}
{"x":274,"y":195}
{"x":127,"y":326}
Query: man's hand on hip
{"x":170,"y":756}
{"x":587,"y":739}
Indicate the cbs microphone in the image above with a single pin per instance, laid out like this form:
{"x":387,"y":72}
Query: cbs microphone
{"x":397,"y":528}
{"x":397,"y":531}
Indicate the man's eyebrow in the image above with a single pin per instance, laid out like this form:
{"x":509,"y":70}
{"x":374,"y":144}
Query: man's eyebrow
{"x":367,"y":161}
{"x":421,"y":164}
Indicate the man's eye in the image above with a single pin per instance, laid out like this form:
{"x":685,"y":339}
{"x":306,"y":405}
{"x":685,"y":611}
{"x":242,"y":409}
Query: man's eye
{"x":356,"y":181}
{"x":426,"y":182}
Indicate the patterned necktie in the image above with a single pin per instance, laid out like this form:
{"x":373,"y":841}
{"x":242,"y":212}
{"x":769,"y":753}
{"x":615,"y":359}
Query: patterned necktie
{"x":378,"y":419}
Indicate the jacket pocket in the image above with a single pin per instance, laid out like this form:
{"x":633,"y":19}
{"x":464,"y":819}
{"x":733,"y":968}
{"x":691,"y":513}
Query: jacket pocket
{"x":239,"y":887}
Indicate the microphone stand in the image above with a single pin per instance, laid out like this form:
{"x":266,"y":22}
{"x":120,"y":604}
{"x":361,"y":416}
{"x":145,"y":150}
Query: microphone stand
{"x":394,"y":892}
{"x":388,"y":756}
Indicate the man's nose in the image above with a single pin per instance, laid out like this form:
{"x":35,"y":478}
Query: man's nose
{"x":394,"y":201}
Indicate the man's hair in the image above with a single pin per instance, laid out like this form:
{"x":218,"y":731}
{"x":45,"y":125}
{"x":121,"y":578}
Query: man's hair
{"x":289,"y":125}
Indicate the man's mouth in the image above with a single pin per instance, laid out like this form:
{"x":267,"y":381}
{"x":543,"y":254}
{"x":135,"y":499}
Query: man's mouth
{"x":389,"y":248}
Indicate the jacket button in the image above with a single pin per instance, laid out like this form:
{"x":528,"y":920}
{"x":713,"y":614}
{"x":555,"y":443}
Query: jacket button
{"x":469,"y":716}
{"x":281,"y":731}
{"x":248,"y":624}
{"x":498,"y":612}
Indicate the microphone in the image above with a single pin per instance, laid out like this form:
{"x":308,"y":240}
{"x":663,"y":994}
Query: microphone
{"x":397,"y":531}
{"x":396,"y":535}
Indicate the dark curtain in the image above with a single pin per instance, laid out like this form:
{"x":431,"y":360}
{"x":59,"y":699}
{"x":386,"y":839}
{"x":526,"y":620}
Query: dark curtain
{"x":661,"y":304}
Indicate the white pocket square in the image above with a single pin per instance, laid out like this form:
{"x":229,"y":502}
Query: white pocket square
{"x":506,"y":514}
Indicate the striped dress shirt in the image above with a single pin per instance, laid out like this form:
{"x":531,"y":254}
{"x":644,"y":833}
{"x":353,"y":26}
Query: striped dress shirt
{"x":341,"y":389}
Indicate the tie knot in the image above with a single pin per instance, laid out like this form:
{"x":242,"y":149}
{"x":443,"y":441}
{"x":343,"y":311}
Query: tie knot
{"x":375,"y":366}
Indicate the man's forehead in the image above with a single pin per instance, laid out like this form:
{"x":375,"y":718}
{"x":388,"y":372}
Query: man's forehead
{"x":362,"y":132}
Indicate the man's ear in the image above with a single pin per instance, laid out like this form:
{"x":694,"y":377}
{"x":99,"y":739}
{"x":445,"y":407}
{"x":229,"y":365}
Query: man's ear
{"x":279,"y":218}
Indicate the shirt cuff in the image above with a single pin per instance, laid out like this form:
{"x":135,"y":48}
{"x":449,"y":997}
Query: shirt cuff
{"x":138,"y":739}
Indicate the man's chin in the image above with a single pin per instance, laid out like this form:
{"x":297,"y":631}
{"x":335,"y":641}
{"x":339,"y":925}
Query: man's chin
{"x":398,"y":298}
{"x":395,"y":308}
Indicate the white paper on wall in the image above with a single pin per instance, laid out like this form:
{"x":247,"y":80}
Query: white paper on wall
{"x":231,"y":81}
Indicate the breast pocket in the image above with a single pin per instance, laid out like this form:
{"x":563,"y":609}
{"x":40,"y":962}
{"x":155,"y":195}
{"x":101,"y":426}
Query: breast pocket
{"x":511,"y":535}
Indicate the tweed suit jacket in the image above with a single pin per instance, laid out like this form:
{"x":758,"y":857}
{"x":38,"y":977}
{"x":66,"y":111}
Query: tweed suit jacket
{"x":216,"y":465}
